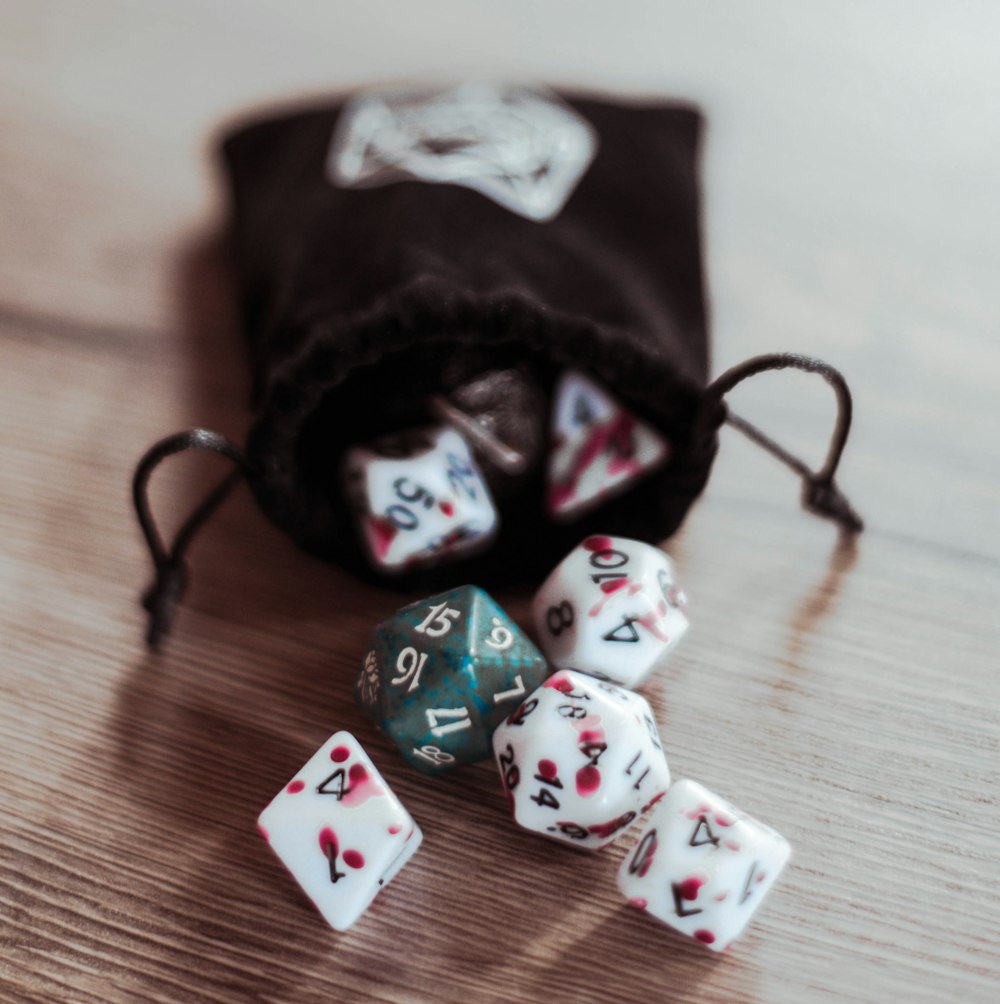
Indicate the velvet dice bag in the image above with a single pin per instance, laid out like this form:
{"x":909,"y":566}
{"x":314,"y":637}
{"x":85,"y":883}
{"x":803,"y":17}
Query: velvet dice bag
{"x":362,"y":304}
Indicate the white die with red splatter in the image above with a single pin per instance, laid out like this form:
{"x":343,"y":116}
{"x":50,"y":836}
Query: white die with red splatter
{"x":339,"y":830}
{"x":418,"y":498}
{"x":580,"y":760}
{"x":610,"y":609}
{"x":702,"y":866}
{"x":599,"y":448}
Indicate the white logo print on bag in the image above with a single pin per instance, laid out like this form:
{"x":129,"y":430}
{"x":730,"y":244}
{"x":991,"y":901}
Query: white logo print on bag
{"x":522,"y":148}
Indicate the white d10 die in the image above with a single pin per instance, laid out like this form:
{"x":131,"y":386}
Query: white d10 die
{"x":702,"y":866}
{"x":418,"y":498}
{"x":610,"y":609}
{"x":599,"y":448}
{"x":580,"y":760}
{"x":339,"y":830}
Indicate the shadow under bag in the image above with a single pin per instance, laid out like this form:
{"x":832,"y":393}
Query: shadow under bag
{"x":364,"y":301}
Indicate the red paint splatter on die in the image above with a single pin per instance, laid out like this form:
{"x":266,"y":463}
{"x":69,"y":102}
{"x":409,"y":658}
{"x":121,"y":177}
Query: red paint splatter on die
{"x":361,"y":786}
{"x":661,"y":608}
{"x":639,"y":902}
{"x":720,"y":897}
{"x":605,"y":830}
{"x":589,"y":725}
{"x":621,"y":437}
{"x":656,"y":798}
{"x":547,"y":769}
{"x":591,"y":736}
{"x":560,"y":494}
{"x":339,"y":754}
{"x":690,"y":886}
{"x":395,"y":828}
{"x":651,"y":623}
{"x":598,"y":544}
{"x":263,"y":833}
{"x":613,"y":584}
{"x":447,"y":508}
{"x":588,"y":780}
{"x":706,"y":937}
{"x":733,"y":845}
{"x":724,"y":820}
{"x":381,"y":534}
{"x":559,"y":682}
{"x":703,"y":810}
{"x":328,"y":842}
{"x":354,"y":859}
{"x":295,"y":787}
{"x":760,"y":877}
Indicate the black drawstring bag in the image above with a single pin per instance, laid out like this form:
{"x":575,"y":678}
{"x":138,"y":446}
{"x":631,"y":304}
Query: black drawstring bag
{"x":365,"y":308}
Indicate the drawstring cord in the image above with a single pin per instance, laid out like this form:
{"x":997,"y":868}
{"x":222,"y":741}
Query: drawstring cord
{"x":167,"y":589}
{"x":820,"y":494}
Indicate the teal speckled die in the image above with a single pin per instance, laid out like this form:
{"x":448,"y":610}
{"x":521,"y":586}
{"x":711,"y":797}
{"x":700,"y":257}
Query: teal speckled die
{"x":440,"y":675}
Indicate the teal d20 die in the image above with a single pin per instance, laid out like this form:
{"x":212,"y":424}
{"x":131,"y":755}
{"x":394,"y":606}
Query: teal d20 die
{"x":440,"y":675}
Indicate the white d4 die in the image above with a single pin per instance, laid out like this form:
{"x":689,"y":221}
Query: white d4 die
{"x":599,"y":448}
{"x":611,"y":609}
{"x":702,"y":866}
{"x":339,"y":830}
{"x":580,"y":760}
{"x":418,"y":498}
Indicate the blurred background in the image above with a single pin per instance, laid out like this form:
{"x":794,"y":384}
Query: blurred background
{"x":852,"y":159}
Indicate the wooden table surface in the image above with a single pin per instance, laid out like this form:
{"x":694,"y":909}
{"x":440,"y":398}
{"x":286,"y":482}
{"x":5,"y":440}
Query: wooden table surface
{"x":844,"y":691}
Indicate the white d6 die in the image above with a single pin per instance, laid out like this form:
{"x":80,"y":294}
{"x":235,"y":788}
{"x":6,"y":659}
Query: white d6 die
{"x":580,"y":759}
{"x":418,"y":497}
{"x":339,"y":830}
{"x":702,"y":866}
{"x":610,"y":609}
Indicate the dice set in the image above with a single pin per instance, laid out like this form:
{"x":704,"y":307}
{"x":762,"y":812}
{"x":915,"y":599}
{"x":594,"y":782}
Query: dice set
{"x":451,"y":679}
{"x":611,"y":609}
{"x":419,"y":497}
{"x":701,"y":866}
{"x":339,"y":830}
{"x":580,"y":760}
{"x":599,"y":448}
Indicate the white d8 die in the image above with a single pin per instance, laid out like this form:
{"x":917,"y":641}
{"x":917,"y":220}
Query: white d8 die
{"x":610,"y":609}
{"x":702,"y":866}
{"x":418,"y":498}
{"x":580,"y":759}
{"x":339,"y":830}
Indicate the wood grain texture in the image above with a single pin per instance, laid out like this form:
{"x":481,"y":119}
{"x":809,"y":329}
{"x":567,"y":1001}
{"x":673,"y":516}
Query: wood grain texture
{"x":844,"y":692}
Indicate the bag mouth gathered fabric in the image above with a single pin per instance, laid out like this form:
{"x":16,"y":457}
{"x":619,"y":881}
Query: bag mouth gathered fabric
{"x":373,"y":289}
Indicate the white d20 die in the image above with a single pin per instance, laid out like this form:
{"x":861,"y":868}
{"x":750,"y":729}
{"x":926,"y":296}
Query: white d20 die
{"x":599,"y":448}
{"x":702,"y":866}
{"x":611,"y":609}
{"x":418,"y":498}
{"x":580,"y":760}
{"x":339,"y":830}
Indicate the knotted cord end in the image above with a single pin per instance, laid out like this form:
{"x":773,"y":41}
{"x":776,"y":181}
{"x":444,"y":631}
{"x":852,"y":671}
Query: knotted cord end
{"x":161,"y":600}
{"x":826,"y":499}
